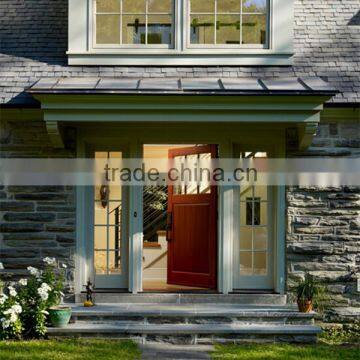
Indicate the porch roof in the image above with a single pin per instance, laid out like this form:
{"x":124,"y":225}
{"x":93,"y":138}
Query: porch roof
{"x":184,"y":86}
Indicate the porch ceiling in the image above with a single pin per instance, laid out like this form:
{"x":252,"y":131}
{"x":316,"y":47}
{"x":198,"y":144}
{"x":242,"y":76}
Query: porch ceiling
{"x":207,"y":86}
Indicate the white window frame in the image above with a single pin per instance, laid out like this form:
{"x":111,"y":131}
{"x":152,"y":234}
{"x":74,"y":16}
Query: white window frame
{"x":84,"y":51}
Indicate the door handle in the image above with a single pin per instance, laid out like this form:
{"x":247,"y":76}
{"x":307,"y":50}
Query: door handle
{"x":169,"y":223}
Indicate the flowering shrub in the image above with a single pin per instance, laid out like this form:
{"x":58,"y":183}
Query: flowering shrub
{"x":10,"y":309}
{"x":24,"y":305}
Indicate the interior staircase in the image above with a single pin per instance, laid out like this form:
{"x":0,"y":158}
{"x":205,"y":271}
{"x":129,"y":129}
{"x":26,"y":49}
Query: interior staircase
{"x":193,"y":319}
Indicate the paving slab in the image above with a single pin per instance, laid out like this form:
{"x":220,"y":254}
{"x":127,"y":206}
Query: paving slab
{"x":167,"y":351}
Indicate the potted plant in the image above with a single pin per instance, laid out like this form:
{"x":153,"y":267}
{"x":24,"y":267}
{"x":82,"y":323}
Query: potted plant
{"x":59,"y":315}
{"x":307,"y":291}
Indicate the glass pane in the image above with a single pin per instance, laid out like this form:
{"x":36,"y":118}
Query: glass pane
{"x":114,"y":237}
{"x":260,"y":238}
{"x":108,"y":6}
{"x":202,"y":6}
{"x":162,"y":6}
{"x":114,"y":213}
{"x":179,"y":189}
{"x":100,"y":214}
{"x":108,"y":29}
{"x":263,"y":214}
{"x":261,"y":192}
{"x":191,"y":164}
{"x":245,"y":263}
{"x":134,"y":6}
{"x":100,"y":238}
{"x":115,"y":193}
{"x":160,"y":29}
{"x":246,"y":238}
{"x":100,"y":261}
{"x":246,"y":192}
{"x":114,"y":262}
{"x":260,"y":262}
{"x":133,"y":28}
{"x":243,"y":214}
{"x":202,"y":29}
{"x":254,"y":6}
{"x":227,"y":6}
{"x":254,"y":29}
{"x":205,"y":174}
{"x":228,"y":29}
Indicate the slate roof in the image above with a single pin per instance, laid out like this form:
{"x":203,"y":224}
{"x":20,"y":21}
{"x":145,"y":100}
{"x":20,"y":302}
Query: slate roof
{"x":239,"y":86}
{"x":33,"y":43}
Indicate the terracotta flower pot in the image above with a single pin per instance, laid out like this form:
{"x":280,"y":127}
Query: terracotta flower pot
{"x":305,"y":306}
{"x":59,"y":316}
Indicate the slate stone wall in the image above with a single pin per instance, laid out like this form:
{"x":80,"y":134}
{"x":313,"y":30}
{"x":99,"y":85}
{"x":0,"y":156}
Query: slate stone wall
{"x":35,"y":221}
{"x":323,"y":231}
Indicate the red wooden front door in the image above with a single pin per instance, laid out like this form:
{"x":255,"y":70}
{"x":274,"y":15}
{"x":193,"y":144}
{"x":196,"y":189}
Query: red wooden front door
{"x":192,"y":229}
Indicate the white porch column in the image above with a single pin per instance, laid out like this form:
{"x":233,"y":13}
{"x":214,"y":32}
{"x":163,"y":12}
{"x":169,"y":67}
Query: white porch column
{"x":135,"y":228}
{"x":225,"y":229}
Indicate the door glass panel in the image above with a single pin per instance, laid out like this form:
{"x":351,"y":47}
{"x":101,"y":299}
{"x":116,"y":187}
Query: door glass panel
{"x":260,"y":238}
{"x":254,"y":229}
{"x":100,"y":238}
{"x":100,"y":214}
{"x":246,"y":238}
{"x":205,"y":174}
{"x":100,"y":262}
{"x":246,"y":263}
{"x":179,"y":188}
{"x":114,"y":262}
{"x":107,"y":224}
{"x":260,"y":260}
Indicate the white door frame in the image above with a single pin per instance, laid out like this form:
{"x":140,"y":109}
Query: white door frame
{"x":134,"y":138}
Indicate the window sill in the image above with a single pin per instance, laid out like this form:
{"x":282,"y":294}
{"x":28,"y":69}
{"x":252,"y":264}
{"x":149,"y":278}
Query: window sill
{"x":193,"y":57}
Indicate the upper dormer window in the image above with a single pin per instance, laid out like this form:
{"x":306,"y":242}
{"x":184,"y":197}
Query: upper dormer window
{"x":180,"y":32}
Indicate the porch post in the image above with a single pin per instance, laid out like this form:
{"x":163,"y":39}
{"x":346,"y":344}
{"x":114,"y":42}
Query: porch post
{"x":225,"y":232}
{"x":135,"y":228}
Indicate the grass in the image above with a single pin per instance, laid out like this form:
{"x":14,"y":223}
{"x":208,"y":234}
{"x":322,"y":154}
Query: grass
{"x":78,"y":349}
{"x":287,"y":352}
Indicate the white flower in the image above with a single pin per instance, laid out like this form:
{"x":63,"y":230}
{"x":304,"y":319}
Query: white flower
{"x":64,"y":266}
{"x":13,"y":314}
{"x":49,"y":261}
{"x":23,"y":282}
{"x":45,"y":286}
{"x":34,"y":271}
{"x":3,"y":298}
{"x":5,"y":323}
{"x":17,"y":308}
{"x":44,"y":312}
{"x":1,"y":266}
{"x":43,"y":291}
{"x":12,"y":291}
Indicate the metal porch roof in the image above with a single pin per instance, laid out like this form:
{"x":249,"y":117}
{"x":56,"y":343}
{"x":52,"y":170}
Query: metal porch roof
{"x":183,"y":86}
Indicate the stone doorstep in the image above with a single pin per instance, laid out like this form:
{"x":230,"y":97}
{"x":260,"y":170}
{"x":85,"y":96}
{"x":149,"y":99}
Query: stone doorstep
{"x":146,"y":298}
{"x":183,"y":329}
{"x":203,"y":310}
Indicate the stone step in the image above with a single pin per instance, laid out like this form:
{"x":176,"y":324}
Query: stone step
{"x":191,"y":314}
{"x":190,"y":333}
{"x":241,"y":299}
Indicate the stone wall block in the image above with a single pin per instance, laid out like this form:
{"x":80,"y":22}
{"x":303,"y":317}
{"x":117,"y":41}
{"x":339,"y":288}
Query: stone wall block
{"x":16,"y":206}
{"x":313,"y":230}
{"x":38,"y":217}
{"x":20,"y":227}
{"x":60,"y":228}
{"x":41,"y":196}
